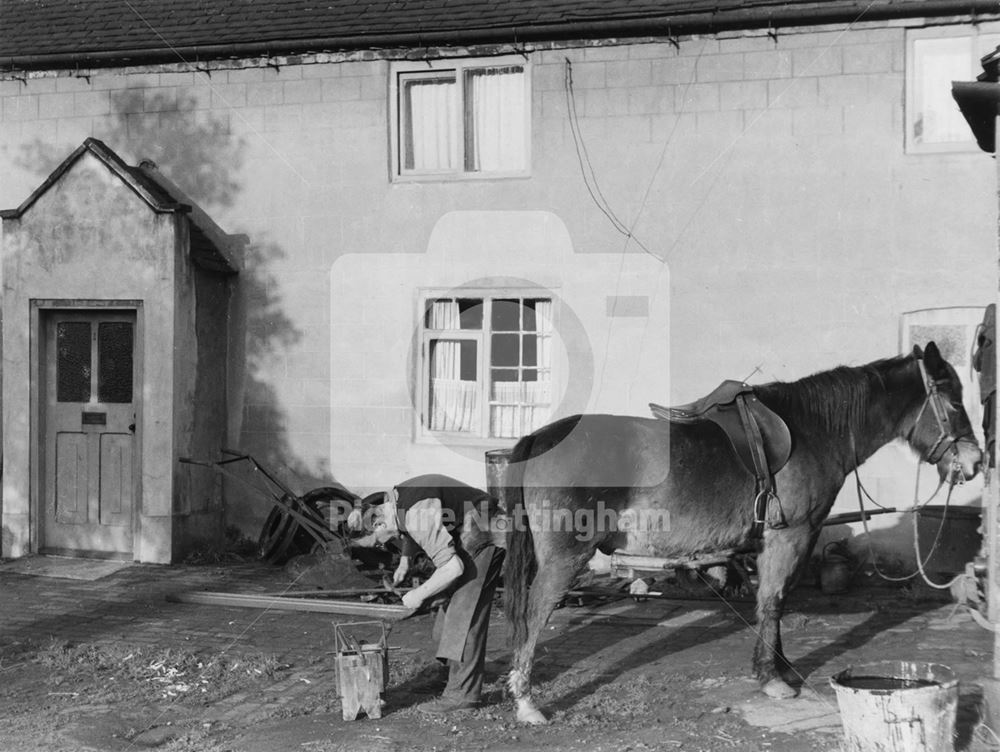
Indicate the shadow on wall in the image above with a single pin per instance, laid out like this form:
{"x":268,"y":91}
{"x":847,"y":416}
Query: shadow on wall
{"x":195,"y":149}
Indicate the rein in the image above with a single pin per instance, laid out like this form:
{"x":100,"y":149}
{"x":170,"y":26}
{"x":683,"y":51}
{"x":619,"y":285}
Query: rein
{"x":914,"y":510}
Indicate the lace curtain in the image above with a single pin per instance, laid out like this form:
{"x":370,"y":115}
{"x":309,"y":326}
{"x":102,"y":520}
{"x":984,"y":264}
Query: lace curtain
{"x":496,"y":101}
{"x":523,"y":407}
{"x":454,"y":402}
{"x":430,"y":139}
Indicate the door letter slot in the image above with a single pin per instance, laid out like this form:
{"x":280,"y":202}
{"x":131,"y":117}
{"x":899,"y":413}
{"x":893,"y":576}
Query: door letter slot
{"x":94,"y":419}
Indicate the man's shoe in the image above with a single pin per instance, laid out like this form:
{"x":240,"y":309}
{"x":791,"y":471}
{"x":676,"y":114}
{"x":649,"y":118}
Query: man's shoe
{"x":445,"y":705}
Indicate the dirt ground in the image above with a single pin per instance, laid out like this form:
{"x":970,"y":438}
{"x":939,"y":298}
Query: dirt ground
{"x":111,"y":664}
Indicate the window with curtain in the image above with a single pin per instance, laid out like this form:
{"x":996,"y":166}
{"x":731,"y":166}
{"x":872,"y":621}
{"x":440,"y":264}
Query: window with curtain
{"x":937,"y":56}
{"x":462,"y":118}
{"x":487,"y":365}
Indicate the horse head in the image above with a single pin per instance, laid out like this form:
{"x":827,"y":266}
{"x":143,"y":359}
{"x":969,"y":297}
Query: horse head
{"x":942,"y":432}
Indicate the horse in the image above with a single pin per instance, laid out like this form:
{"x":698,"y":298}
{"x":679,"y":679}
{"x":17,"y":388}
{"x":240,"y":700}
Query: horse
{"x":568,"y":482}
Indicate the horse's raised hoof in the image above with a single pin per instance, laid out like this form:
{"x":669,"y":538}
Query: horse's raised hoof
{"x":777,"y":689}
{"x":531,"y":715}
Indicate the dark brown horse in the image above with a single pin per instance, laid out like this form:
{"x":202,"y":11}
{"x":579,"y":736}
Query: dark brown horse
{"x":675,"y":490}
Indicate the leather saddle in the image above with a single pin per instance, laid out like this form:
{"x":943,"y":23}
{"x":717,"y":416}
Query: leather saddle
{"x":751,"y":426}
{"x":758,"y":435}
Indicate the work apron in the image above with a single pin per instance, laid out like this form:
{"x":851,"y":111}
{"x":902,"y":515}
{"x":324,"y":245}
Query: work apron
{"x":473,"y":592}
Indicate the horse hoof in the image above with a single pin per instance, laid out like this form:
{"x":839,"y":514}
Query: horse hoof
{"x":790,"y":676}
{"x":531,"y":716}
{"x":776,"y":689}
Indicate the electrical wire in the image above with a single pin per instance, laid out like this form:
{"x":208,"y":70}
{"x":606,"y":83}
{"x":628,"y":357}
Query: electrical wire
{"x":587,"y":167}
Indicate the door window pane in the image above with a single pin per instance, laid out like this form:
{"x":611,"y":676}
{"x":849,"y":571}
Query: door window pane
{"x":73,"y":367}
{"x":114,"y":358}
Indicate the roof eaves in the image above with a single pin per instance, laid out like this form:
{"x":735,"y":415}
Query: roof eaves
{"x":696,"y":18}
{"x":212,"y":247}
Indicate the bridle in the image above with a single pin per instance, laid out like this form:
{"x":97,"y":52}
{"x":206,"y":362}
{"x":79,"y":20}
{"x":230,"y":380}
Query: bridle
{"x":946,"y":441}
{"x":939,"y":404}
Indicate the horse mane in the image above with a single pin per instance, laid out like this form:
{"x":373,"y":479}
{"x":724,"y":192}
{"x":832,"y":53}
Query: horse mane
{"x":838,"y":400}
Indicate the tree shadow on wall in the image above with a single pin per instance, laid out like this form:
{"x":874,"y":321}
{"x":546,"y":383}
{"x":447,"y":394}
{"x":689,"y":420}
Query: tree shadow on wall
{"x":191,"y":146}
{"x":195,"y":148}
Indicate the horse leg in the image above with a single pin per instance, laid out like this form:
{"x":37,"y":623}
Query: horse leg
{"x":783,"y":554}
{"x":550,"y":585}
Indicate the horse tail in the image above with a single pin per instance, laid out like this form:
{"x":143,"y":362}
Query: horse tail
{"x":520,"y":565}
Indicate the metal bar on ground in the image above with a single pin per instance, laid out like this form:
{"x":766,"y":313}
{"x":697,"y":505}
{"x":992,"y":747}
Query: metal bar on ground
{"x":657,"y":563}
{"x":246,"y":600}
{"x":328,"y":593}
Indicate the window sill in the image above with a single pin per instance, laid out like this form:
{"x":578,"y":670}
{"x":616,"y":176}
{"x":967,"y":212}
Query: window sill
{"x":463,"y":177}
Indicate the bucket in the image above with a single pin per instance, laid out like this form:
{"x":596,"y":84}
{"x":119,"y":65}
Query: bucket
{"x":897,"y":706}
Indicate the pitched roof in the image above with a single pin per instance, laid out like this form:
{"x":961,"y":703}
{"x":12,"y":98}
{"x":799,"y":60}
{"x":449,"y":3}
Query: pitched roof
{"x":211,"y":247}
{"x":158,"y":199}
{"x":43,"y":33}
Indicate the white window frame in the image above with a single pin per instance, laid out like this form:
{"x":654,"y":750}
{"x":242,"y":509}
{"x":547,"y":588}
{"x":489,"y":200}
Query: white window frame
{"x":483,"y":360}
{"x":458,"y":67}
{"x":982,"y":39}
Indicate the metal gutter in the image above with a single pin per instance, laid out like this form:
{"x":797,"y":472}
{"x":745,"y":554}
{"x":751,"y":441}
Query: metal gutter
{"x":700,"y":22}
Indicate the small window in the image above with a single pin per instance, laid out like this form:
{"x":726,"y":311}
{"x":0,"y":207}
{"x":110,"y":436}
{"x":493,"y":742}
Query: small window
{"x":936,"y":57}
{"x":461,"y":119}
{"x":73,"y":361}
{"x":115,"y":350}
{"x":486,"y":370}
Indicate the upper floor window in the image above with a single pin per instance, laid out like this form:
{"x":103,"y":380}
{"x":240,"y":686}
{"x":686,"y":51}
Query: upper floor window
{"x":461,"y":118}
{"x":486,"y":365}
{"x":935,"y":57}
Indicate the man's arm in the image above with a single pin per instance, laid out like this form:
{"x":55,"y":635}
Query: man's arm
{"x":402,"y":570}
{"x":425,"y":526}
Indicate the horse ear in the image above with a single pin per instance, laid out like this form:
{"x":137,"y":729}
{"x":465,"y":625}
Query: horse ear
{"x":917,"y":352}
{"x":932,"y":356}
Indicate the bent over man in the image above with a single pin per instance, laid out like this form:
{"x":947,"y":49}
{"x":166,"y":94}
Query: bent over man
{"x":452,"y":523}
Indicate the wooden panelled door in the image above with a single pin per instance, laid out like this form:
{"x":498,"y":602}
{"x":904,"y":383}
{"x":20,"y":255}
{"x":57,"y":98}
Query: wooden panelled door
{"x":89,"y":433}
